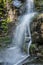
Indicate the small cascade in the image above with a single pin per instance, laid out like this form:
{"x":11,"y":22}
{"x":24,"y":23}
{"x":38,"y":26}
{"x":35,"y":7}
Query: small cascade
{"x":30,"y":6}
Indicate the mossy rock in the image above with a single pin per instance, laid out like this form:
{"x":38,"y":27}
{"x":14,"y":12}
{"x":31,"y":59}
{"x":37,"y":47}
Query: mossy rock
{"x":38,"y":5}
{"x":35,"y":27}
{"x":37,"y":51}
{"x":4,"y":41}
{"x":33,"y":49}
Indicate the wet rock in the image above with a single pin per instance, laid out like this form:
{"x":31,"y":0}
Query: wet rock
{"x":36,"y":29}
{"x":36,"y":47}
{"x":37,"y":51}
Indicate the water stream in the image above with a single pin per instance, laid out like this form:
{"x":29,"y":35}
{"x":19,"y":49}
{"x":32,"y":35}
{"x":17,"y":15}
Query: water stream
{"x":14,"y":55}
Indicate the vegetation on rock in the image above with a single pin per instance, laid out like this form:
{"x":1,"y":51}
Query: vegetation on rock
{"x":39,"y":5}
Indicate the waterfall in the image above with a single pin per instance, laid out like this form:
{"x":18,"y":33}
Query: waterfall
{"x":14,"y":55}
{"x":30,"y":5}
{"x":24,"y":25}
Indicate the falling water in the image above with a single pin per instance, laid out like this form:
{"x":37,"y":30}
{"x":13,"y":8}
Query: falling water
{"x":14,"y":55}
{"x":24,"y":26}
{"x":30,"y":5}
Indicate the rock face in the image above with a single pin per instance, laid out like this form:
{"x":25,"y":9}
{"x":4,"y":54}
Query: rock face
{"x":37,"y":36}
{"x":37,"y":29}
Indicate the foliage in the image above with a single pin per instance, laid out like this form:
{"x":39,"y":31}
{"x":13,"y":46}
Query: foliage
{"x":3,"y":16}
{"x":4,"y":41}
{"x":39,"y":5}
{"x":4,"y":21}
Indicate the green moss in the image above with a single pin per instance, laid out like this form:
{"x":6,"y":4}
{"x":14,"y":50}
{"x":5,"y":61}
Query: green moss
{"x":6,"y":39}
{"x":33,"y":49}
{"x":38,"y":5}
